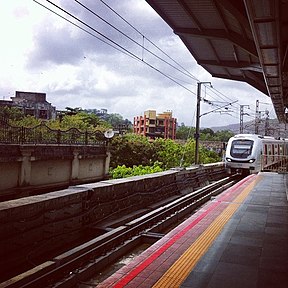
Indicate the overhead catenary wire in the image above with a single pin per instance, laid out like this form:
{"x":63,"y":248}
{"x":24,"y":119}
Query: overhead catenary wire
{"x":83,"y":29}
{"x":134,"y":41}
{"x":215,"y":103}
{"x":127,"y":52}
{"x":220,"y":94}
{"x":144,"y":37}
{"x":107,"y":38}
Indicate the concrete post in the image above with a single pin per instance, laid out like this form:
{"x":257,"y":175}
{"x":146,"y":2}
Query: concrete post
{"x":75,"y":165}
{"x":107,"y":163}
{"x":25,"y":169}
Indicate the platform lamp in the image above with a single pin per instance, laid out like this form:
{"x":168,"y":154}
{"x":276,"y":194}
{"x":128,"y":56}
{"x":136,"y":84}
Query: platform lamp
{"x":197,"y":132}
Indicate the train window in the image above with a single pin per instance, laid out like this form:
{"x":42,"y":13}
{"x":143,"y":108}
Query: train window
{"x":265,"y":153}
{"x":276,"y":147}
{"x":280,"y":149}
{"x":241,"y":148}
{"x":269,"y":149}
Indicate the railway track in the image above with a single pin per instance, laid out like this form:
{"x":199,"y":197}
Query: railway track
{"x":82,"y":262}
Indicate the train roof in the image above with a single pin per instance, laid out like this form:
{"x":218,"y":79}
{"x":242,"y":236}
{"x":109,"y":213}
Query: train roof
{"x":256,"y":136}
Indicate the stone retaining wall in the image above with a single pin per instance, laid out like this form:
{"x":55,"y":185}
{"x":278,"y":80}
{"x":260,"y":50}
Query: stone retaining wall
{"x":37,"y":225}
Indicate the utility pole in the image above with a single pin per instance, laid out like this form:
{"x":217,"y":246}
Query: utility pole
{"x":266,"y":122}
{"x":197,"y":132}
{"x":241,"y":116}
{"x":257,"y":117}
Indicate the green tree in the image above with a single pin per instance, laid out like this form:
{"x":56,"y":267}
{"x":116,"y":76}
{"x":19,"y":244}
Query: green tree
{"x":223,"y":135}
{"x":130,"y":149}
{"x":11,"y":113}
{"x":207,"y":134}
{"x":168,"y":152}
{"x":132,"y":154}
{"x":114,"y":119}
{"x":82,"y":121}
{"x":73,"y":121}
{"x":184,"y":132}
{"x":91,"y":119}
{"x":207,"y":156}
{"x":188,"y":154}
{"x":27,"y":121}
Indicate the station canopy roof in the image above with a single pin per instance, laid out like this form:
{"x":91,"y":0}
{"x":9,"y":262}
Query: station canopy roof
{"x":244,"y":40}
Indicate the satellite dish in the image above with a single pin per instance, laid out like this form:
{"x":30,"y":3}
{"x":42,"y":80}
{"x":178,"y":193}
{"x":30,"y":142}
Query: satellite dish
{"x":109,"y":134}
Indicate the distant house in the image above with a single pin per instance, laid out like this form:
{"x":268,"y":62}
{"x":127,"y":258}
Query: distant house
{"x":32,"y":103}
{"x":155,"y":125}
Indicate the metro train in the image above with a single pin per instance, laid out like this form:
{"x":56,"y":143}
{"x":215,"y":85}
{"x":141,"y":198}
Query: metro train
{"x":250,"y":153}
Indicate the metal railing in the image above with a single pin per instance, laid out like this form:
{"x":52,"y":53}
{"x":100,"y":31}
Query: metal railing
{"x":42,"y":134}
{"x":274,"y":163}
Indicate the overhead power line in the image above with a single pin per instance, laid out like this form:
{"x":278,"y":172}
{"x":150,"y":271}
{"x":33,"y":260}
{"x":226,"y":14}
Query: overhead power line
{"x":117,"y":46}
{"x":141,"y":45}
{"x":107,"y":40}
{"x":151,"y":42}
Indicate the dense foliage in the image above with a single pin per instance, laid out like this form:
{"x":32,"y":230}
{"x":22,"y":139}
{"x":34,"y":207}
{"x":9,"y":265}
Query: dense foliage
{"x":185,"y":132}
{"x":121,"y":171}
{"x":72,"y":118}
{"x":131,"y":151}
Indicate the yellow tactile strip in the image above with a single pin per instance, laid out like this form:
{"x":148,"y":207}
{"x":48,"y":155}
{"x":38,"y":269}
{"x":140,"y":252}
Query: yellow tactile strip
{"x":179,"y":271}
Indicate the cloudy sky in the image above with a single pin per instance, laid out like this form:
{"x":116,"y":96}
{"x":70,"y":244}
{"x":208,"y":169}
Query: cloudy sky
{"x":99,"y":62}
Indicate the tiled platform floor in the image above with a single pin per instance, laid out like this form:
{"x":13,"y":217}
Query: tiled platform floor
{"x":250,"y":251}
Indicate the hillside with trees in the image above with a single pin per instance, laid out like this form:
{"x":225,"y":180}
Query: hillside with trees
{"x":269,"y":127}
{"x":185,"y":132}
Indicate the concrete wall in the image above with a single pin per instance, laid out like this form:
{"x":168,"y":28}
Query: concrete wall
{"x":8,"y":176}
{"x":32,"y":226}
{"x":48,"y":172}
{"x":26,"y":168}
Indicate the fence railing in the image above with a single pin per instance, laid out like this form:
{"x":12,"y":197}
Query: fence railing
{"x":274,"y":163}
{"x":42,"y":134}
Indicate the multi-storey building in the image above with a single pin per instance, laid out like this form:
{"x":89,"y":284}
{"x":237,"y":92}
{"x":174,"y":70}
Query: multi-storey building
{"x":155,"y":125}
{"x":32,"y":103}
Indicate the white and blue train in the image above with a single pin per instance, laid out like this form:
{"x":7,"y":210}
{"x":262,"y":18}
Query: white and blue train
{"x":249,"y":153}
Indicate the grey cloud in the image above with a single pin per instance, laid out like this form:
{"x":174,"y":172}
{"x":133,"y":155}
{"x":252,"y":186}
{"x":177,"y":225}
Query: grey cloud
{"x":56,"y":47}
{"x":133,"y":86}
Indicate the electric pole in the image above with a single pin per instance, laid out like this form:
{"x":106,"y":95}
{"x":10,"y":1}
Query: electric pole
{"x":257,"y":117}
{"x":197,"y":132}
{"x":241,"y":116}
{"x":266,"y":122}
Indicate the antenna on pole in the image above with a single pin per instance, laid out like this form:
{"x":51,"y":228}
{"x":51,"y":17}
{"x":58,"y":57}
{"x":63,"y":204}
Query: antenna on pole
{"x":109,"y":134}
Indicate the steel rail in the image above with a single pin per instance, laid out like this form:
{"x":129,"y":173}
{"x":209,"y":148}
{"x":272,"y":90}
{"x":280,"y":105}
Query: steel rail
{"x":80,"y":262}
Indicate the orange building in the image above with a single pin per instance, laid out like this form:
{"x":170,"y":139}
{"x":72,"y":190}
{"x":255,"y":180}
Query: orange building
{"x":152,"y":125}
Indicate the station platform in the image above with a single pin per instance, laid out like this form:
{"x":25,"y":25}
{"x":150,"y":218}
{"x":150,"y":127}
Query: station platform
{"x":238,"y":239}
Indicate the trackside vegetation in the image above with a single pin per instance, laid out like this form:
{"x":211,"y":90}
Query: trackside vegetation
{"x":135,"y":155}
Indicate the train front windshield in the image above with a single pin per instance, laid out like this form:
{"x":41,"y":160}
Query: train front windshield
{"x":241,"y":148}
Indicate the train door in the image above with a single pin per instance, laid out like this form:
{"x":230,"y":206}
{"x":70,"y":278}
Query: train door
{"x":265,"y":155}
{"x":269,"y":154}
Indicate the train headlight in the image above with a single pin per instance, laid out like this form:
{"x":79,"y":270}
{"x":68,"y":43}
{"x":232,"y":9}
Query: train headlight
{"x":228,"y":160}
{"x":251,"y":160}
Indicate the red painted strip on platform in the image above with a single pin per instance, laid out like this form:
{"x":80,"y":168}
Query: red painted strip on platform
{"x":128,"y":277}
